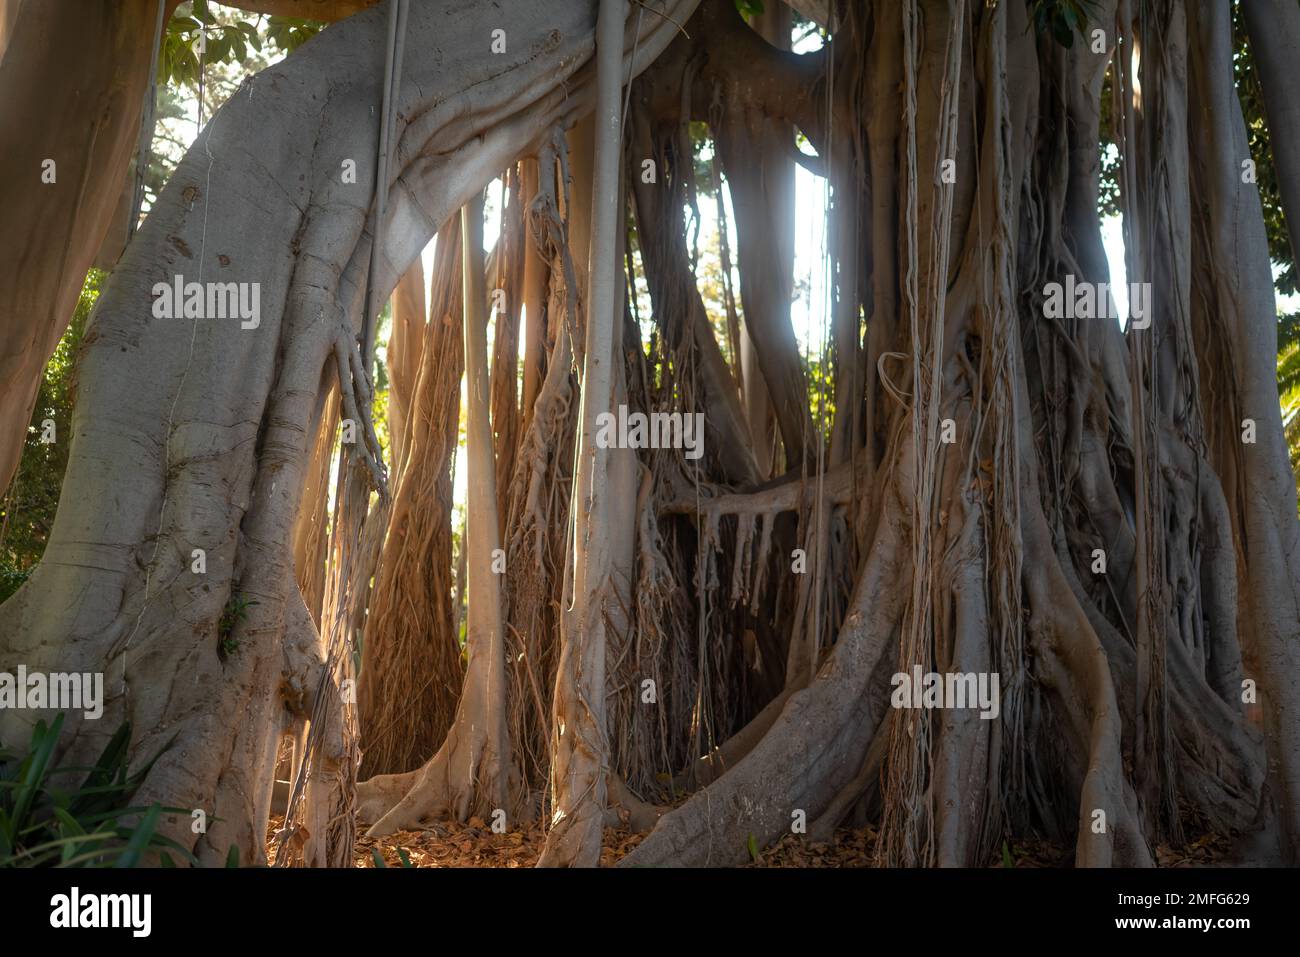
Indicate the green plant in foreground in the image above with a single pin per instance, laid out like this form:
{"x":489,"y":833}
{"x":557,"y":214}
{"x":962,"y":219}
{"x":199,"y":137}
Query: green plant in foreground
{"x":236,"y":610}
{"x":402,"y":855}
{"x":44,"y":823}
{"x":1062,"y":18}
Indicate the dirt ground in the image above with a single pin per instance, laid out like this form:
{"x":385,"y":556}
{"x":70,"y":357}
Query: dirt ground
{"x":473,"y":844}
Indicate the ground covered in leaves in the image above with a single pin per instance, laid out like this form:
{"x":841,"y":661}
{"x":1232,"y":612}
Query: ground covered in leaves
{"x":473,"y":844}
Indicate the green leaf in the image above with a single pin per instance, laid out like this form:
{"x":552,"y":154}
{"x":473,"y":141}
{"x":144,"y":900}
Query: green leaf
{"x":106,"y":777}
{"x":1288,"y":331}
{"x":752,"y":846}
{"x":161,"y":840}
{"x":201,"y":12}
{"x":32,"y":772}
{"x":232,"y":856}
{"x":218,"y":47}
{"x":70,"y":823}
{"x":1288,"y":372}
{"x":379,"y":858}
{"x":139,"y":838}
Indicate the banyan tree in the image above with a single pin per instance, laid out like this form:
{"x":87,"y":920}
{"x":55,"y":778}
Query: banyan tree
{"x":987,"y":478}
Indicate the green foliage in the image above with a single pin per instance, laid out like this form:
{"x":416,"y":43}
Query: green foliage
{"x":382,"y":385}
{"x":1288,"y":385}
{"x":27,"y":509}
{"x":289,"y":33}
{"x":1288,"y":357}
{"x":44,"y":823}
{"x":229,"y":39}
{"x":11,"y":579}
{"x":703,"y":156}
{"x":236,"y":610}
{"x":1108,"y":195}
{"x":178,"y":57}
{"x":1062,"y":19}
{"x":1246,"y":81}
{"x":749,"y":8}
{"x":821,"y":385}
{"x":402,"y":855}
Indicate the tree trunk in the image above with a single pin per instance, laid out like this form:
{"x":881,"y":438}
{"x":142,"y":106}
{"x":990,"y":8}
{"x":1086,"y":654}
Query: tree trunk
{"x":216,"y":416}
{"x":473,"y":773}
{"x":1274,"y":30}
{"x":411,"y":669}
{"x":1076,"y":512}
{"x":66,"y":138}
{"x":579,"y":750}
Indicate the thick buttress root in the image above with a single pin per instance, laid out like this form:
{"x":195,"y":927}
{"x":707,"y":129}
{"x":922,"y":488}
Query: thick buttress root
{"x":1120,"y":719}
{"x":461,"y":781}
{"x":976,"y":559}
{"x":819,"y":755}
{"x":807,"y":754}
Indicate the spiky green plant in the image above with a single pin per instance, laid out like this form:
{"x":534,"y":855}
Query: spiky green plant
{"x":47,"y":823}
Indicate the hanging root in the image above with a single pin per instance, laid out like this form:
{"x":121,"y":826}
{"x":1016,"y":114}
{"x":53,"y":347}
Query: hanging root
{"x":354,"y":386}
{"x":808,"y":754}
{"x":411,"y":668}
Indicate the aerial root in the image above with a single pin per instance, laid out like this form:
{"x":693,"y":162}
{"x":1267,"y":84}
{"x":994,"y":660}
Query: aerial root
{"x":864,"y":788}
{"x":378,"y":795}
{"x":354,"y":387}
{"x":626,"y":808}
{"x":1073,"y":664}
{"x":807,"y":753}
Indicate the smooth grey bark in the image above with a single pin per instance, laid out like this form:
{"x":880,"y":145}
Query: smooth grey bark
{"x":473,"y":771}
{"x":755,"y":152}
{"x":195,"y":433}
{"x":1269,"y":560}
{"x":79,"y":108}
{"x":774,"y":24}
{"x":579,"y":740}
{"x":808,"y":759}
{"x":1274,"y":30}
{"x":765,"y":240}
{"x":484,"y":638}
{"x":76,"y":102}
